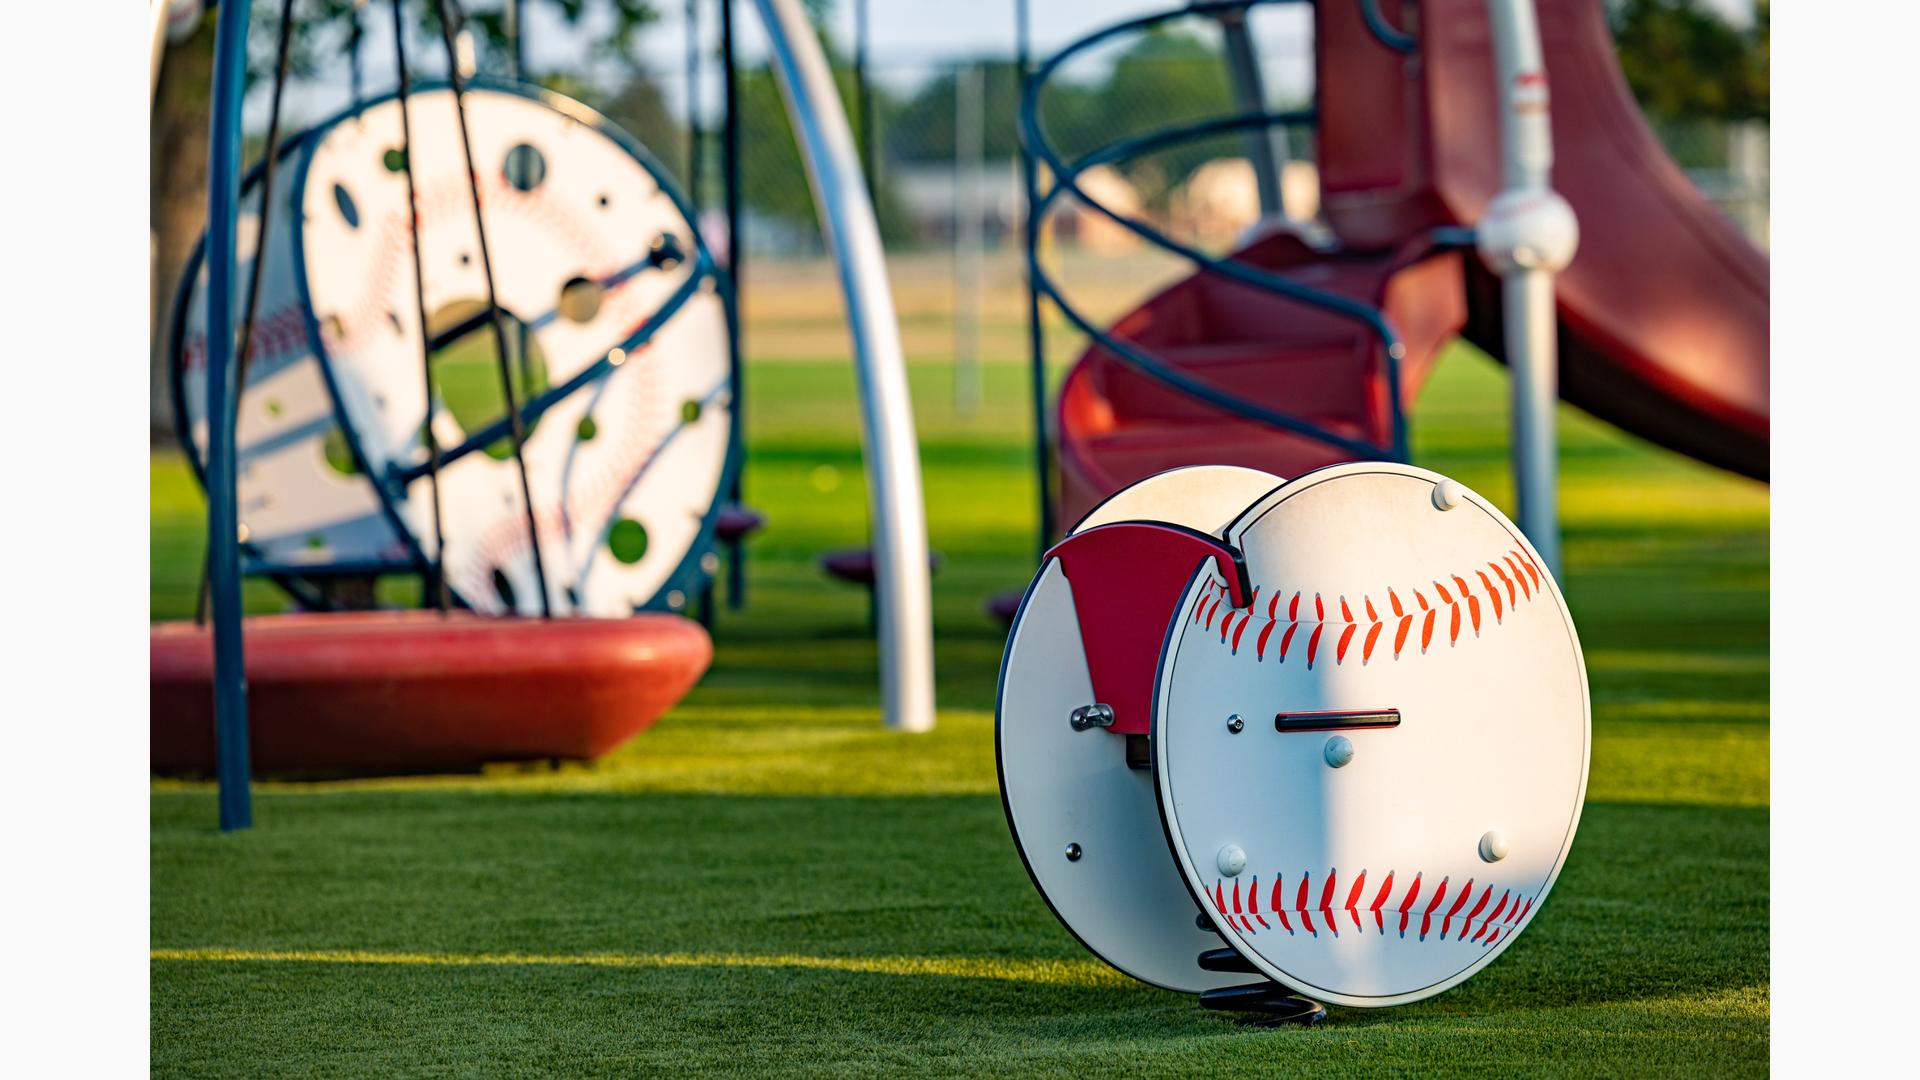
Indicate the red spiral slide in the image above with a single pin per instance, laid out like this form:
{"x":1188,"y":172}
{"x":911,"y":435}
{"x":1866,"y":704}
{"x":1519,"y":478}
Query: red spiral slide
{"x":1663,"y":313}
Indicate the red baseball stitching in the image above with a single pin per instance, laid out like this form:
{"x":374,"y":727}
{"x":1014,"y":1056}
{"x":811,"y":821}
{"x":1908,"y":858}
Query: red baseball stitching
{"x":284,"y":332}
{"x":1514,"y":578}
{"x":1507,"y":912}
{"x":444,"y":199}
{"x":434,"y":203}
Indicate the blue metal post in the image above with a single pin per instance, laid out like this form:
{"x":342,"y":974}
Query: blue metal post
{"x":355,"y":35}
{"x":223,"y":519}
{"x":694,"y":140}
{"x":516,"y":36}
{"x":736,"y":245}
{"x":1036,"y":334}
{"x":863,"y":95}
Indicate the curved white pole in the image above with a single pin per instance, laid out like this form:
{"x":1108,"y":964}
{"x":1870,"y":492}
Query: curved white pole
{"x":902,"y":591}
{"x":1527,"y":235}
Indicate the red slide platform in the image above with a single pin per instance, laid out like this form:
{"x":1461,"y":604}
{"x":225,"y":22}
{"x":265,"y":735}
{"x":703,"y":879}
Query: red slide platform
{"x":1663,"y":313}
{"x":396,"y":691}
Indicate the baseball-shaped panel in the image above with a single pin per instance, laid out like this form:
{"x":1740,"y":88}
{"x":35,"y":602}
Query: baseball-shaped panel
{"x":585,"y":247}
{"x":1437,"y":647}
{"x":1203,"y":497}
{"x":614,"y":339}
{"x":304,"y":500}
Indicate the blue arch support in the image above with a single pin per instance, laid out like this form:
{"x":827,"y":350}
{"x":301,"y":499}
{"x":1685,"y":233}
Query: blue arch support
{"x":233,"y":764}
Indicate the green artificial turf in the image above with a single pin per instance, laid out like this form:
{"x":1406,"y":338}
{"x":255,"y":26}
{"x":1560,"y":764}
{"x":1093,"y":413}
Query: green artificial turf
{"x":768,"y":882}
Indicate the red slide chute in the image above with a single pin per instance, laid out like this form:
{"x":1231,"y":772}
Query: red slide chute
{"x":1663,"y":313}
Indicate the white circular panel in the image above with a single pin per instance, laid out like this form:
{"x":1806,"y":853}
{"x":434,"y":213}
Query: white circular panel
{"x":1365,"y":884}
{"x":586,"y":251}
{"x":1123,"y":897}
{"x":301,"y":500}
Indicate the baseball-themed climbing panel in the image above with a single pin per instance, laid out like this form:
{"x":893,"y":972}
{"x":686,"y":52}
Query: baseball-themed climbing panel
{"x":1345,"y":724}
{"x":613,"y":323}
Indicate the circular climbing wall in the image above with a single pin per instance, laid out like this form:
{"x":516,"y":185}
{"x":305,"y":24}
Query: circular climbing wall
{"x":615,"y":341}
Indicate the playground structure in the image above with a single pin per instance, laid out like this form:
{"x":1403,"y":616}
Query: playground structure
{"x":336,"y":428}
{"x":1288,"y":355}
{"x":1216,"y":679}
{"x":1433,"y":149}
{"x":1325,"y":804}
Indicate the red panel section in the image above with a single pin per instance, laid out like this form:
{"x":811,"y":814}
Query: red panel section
{"x":1375,"y":175}
{"x":416,"y":690}
{"x":1128,"y":580}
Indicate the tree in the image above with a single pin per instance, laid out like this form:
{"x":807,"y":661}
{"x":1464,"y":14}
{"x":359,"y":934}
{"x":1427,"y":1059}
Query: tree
{"x":640,"y":108}
{"x":921,"y":128}
{"x":178,"y":135}
{"x":1163,"y":78}
{"x":177,"y":199}
{"x":1687,"y":62}
{"x":773,"y":178}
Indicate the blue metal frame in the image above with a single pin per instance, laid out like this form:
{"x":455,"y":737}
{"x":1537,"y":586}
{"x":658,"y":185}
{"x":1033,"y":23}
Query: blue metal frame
{"x":503,"y":353}
{"x":231,"y":757}
{"x":736,"y":251}
{"x":1386,"y":33}
{"x":433,"y":570}
{"x":1035,"y":144}
{"x":391,"y":487}
{"x":535,"y":407}
{"x":292,"y":579}
{"x":1036,"y":333}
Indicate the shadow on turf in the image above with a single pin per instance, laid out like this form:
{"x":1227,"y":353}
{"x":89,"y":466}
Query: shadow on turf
{"x":1655,"y":900}
{"x":573,"y":1019}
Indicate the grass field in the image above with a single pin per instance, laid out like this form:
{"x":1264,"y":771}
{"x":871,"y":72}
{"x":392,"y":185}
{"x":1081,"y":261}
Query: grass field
{"x":767,"y":882}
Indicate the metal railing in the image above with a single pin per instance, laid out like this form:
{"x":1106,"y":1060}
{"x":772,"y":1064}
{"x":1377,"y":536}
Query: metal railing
{"x":1386,"y":33}
{"x":1036,"y":144}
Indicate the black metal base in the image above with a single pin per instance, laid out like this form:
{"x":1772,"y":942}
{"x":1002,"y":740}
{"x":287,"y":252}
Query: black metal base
{"x":1227,"y":960}
{"x":1270,"y":1003}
